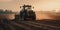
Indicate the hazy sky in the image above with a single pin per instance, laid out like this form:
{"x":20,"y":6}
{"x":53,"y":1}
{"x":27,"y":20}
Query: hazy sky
{"x":38,"y":4}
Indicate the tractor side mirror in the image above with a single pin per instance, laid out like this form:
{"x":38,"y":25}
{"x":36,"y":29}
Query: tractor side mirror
{"x":33,"y":7}
{"x":20,"y":6}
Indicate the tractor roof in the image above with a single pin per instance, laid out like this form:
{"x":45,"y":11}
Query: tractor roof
{"x":26,"y":5}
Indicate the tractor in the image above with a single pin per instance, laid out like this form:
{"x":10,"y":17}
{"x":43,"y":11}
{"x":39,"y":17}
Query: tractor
{"x":27,"y":13}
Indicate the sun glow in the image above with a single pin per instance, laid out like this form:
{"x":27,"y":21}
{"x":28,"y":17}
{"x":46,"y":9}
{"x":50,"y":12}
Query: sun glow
{"x":48,"y":5}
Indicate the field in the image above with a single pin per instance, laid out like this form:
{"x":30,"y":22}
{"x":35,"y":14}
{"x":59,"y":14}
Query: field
{"x":30,"y":25}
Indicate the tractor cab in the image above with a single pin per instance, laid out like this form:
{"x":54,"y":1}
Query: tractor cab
{"x":27,"y":13}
